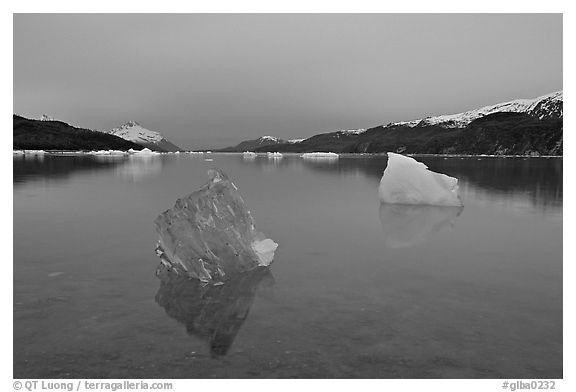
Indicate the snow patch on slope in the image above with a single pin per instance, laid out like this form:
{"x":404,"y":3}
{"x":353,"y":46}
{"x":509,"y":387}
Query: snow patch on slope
{"x":352,"y":131}
{"x":136,"y":133}
{"x":269,"y":138}
{"x":543,"y":104}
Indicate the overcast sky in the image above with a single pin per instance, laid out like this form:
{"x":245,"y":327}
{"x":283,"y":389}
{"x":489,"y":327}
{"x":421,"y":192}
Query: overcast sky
{"x":214,"y":80}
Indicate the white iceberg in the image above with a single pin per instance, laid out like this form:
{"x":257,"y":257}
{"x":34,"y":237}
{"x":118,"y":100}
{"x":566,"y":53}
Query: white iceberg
{"x":249,"y":156}
{"x":320,"y":155}
{"x":146,"y":152}
{"x":108,"y":152}
{"x":34,"y":152}
{"x":264,"y":249}
{"x":407,"y":181}
{"x":275,"y":155}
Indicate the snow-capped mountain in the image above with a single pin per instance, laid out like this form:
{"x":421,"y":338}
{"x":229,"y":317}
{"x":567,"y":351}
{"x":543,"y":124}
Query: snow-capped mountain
{"x":546,"y":106}
{"x":267,"y":140}
{"x":520,"y":127}
{"x":251,"y":145}
{"x":138,"y":134}
{"x":46,"y":117}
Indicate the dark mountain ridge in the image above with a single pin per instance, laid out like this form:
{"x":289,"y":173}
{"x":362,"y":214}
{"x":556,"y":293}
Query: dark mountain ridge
{"x":31,"y":134}
{"x":521,"y":127}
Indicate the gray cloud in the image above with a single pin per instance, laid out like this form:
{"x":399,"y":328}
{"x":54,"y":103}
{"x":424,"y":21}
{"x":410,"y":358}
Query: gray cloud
{"x":213,"y":80}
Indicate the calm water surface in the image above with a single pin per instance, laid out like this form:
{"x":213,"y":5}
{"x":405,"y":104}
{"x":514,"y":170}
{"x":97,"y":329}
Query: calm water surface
{"x":356,"y":289}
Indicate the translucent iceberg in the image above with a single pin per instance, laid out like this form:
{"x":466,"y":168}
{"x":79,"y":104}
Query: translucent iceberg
{"x":210,"y":234}
{"x":407,"y":181}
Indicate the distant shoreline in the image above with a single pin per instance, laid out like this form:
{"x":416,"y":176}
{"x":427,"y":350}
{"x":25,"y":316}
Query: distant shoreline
{"x":76,"y":152}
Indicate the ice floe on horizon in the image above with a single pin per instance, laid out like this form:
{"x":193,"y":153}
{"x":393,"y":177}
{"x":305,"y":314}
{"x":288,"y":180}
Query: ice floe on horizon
{"x":320,"y":155}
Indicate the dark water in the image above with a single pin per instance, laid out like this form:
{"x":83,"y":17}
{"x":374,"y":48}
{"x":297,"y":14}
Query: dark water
{"x":355,"y":290}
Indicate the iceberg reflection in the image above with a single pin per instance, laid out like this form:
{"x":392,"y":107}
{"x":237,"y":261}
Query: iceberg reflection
{"x":214,"y":313}
{"x":138,"y":167}
{"x":408,"y":225}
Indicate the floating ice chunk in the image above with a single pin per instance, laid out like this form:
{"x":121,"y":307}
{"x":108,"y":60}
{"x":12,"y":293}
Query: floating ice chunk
{"x":146,"y":151}
{"x":408,"y":225}
{"x":407,"y":181}
{"x":275,"y":155}
{"x":108,"y":152}
{"x":264,"y":250}
{"x":249,"y":156}
{"x":210,"y":235}
{"x":320,"y":155}
{"x":34,"y":152}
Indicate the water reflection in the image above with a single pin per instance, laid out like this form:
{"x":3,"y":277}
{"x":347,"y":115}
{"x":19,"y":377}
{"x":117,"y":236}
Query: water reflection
{"x":33,"y":167}
{"x":536,"y":180}
{"x":30,"y":167}
{"x":409,"y":225}
{"x":213,"y":313}
{"x":138,"y":167}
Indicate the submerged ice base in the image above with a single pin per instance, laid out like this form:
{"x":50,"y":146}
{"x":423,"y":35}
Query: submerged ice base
{"x":407,"y":181}
{"x":210,"y":234}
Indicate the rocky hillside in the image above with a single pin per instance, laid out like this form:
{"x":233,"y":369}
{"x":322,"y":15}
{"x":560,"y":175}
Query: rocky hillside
{"x":251,"y":145}
{"x":520,"y":127}
{"x":47,"y":134}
